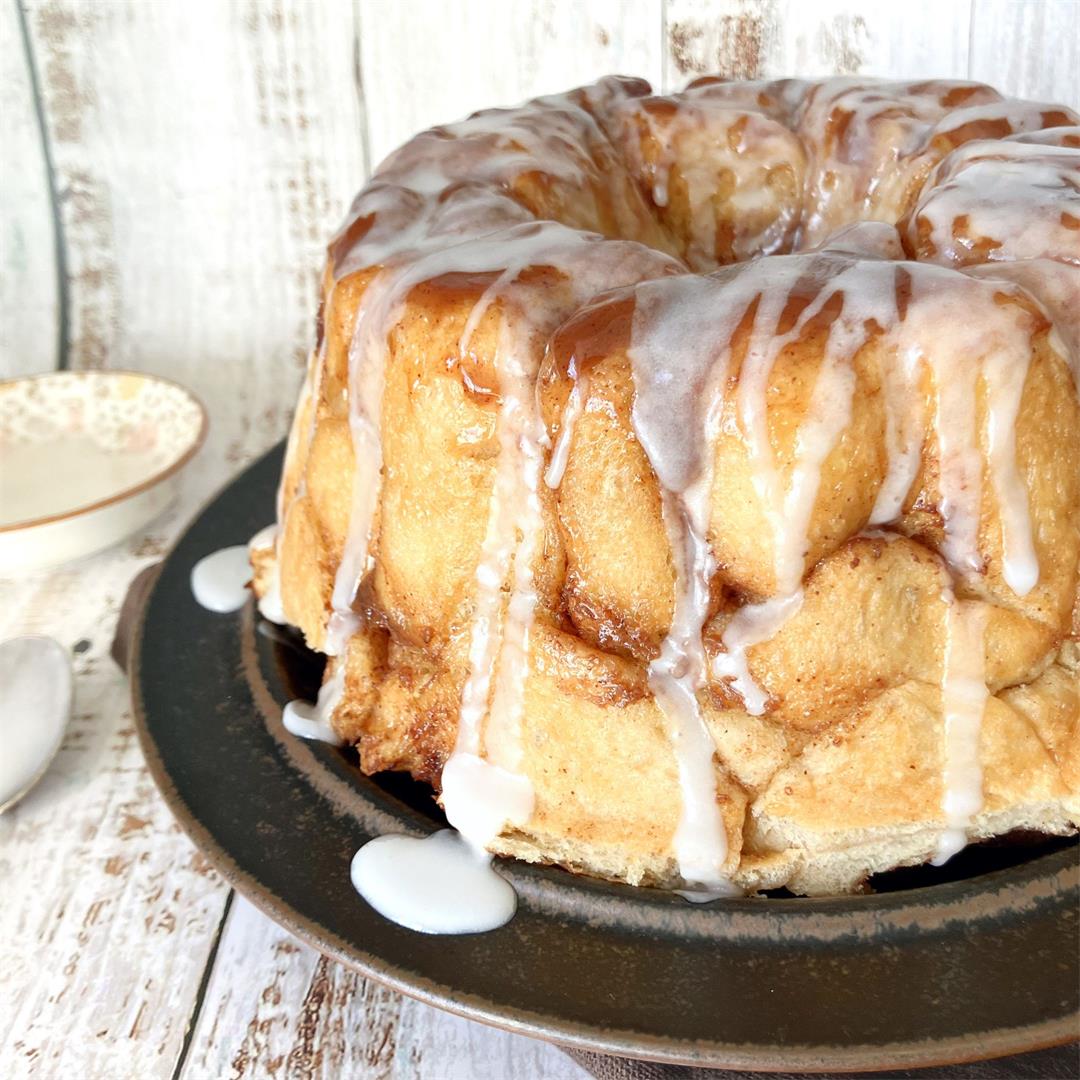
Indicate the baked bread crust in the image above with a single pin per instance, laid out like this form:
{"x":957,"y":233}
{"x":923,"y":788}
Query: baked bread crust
{"x":856,"y":500}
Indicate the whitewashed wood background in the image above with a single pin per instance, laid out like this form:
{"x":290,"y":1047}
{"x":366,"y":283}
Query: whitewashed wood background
{"x":169,"y":171}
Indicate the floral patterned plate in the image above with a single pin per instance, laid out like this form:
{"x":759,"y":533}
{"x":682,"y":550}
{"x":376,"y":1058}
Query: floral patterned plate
{"x":88,"y":457}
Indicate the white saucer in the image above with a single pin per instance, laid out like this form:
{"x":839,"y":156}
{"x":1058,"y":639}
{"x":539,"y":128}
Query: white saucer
{"x":86,"y":458}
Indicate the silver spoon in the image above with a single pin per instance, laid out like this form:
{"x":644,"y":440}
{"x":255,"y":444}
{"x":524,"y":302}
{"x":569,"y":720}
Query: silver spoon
{"x":35,"y":705}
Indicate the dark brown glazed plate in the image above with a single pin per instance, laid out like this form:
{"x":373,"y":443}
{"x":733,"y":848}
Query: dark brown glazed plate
{"x":977,"y":960}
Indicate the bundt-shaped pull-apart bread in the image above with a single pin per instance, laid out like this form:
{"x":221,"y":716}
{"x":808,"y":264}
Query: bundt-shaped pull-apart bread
{"x":686,"y":487}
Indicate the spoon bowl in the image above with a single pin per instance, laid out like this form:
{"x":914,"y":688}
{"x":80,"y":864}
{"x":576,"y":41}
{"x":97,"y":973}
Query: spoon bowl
{"x":35,"y":705}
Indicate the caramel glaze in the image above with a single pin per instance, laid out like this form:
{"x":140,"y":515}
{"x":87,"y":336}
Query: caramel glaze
{"x":518,"y":247}
{"x":590,"y":350}
{"x":1001,"y":200}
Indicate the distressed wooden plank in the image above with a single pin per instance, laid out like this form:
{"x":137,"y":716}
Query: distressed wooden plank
{"x":745,"y":39}
{"x":275,"y":1007}
{"x":29,"y":304}
{"x":433,"y":1045}
{"x":422,"y":66}
{"x":1030,"y":48}
{"x":108,"y":911}
{"x":204,"y":153}
{"x":731,"y":38}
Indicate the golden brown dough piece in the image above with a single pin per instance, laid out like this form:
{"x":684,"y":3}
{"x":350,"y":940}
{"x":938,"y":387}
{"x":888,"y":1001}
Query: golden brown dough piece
{"x":1002,"y":200}
{"x":754,"y":577}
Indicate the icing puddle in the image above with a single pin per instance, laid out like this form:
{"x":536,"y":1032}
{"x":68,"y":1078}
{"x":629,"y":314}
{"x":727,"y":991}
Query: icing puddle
{"x":436,"y":885}
{"x":394,"y":874}
{"x":219,"y":581}
{"x":312,"y":721}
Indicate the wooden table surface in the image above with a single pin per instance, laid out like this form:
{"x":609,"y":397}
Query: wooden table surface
{"x":122,"y":953}
{"x":170,"y":172}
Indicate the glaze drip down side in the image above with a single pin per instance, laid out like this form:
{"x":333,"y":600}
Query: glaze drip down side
{"x":685,"y":485}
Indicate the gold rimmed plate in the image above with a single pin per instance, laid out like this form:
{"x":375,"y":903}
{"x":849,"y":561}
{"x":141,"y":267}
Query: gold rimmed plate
{"x":88,"y":457}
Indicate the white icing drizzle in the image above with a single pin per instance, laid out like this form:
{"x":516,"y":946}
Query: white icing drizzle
{"x":367,"y":376}
{"x":680,"y":351}
{"x":481,"y":795}
{"x":964,"y":696}
{"x":506,"y":253}
{"x":560,"y":453}
{"x":868,"y":292}
{"x":979,"y":342}
{"x":674,"y":420}
{"x":436,"y":885}
{"x":519,"y":419}
{"x":709,"y":141}
{"x":904,"y":432}
{"x":1012,"y":193}
{"x":308,"y":721}
{"x":878,"y":534}
{"x":264,"y":538}
{"x":447,"y":203}
{"x":1056,"y":286}
{"x":270,"y":606}
{"x":412,"y":221}
{"x":1019,"y":115}
{"x":871,"y":239}
{"x":219,"y":581}
{"x":868,"y":140}
{"x":425,"y":225}
{"x":751,"y":625}
{"x":704,"y":896}
{"x":675,"y":676}
{"x":828,"y":414}
{"x":412,"y":217}
{"x":960,"y":464}
{"x":766,"y":344}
